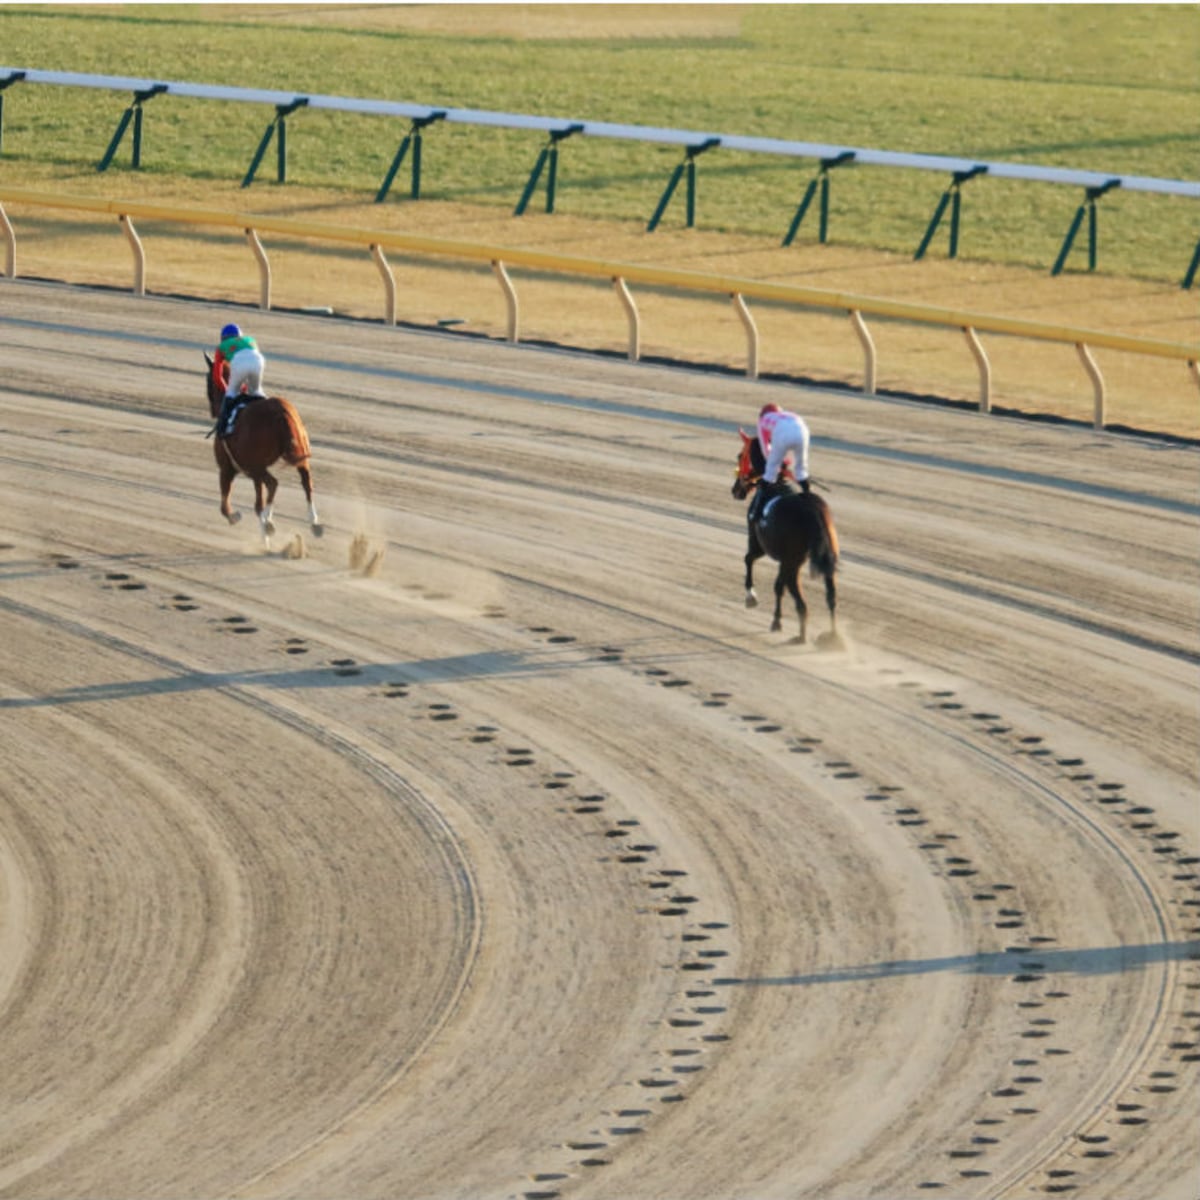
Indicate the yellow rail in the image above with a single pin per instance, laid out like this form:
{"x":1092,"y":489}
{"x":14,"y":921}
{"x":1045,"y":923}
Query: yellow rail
{"x":621,"y":274}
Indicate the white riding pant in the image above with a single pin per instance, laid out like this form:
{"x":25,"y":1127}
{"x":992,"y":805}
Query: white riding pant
{"x":245,"y":369}
{"x":790,"y":434}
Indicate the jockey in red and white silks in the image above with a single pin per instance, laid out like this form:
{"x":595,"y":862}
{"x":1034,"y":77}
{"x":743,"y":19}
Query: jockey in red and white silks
{"x":781,"y":433}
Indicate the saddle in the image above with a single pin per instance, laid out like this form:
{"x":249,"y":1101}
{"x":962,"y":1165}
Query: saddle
{"x":235,"y":410}
{"x":785,"y":487}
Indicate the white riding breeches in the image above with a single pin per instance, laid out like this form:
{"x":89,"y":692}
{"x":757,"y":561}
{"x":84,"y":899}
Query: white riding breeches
{"x":245,"y":370}
{"x":790,"y":434}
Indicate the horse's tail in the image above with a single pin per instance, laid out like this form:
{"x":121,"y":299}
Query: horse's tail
{"x":824,"y":537}
{"x":293,"y":435}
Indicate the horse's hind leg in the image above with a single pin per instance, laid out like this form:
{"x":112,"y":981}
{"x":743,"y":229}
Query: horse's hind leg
{"x":306,"y":483}
{"x":265,"y":506}
{"x":792,"y":576}
{"x":264,"y":493}
{"x":831,"y":599}
{"x":777,"y":620}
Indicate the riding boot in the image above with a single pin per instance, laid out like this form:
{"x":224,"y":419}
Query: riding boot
{"x":223,"y":419}
{"x":756,"y":503}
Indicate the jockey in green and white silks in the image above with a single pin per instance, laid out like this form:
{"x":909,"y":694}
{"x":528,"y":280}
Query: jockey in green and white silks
{"x":237,"y":366}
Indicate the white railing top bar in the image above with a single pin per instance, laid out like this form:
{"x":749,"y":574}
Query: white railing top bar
{"x":688,"y":139}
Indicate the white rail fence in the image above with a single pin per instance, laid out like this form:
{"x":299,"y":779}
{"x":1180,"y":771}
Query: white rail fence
{"x":692,"y":142}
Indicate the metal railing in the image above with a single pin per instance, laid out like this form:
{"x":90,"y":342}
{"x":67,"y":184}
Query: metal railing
{"x":621,"y":275}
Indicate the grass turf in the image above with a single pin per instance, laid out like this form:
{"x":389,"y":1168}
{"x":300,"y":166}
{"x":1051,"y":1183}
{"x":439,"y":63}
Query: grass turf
{"x":1106,"y":88}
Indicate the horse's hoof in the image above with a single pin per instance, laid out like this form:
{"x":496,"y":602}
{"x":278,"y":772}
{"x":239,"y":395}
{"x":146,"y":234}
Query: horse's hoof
{"x":268,"y":528}
{"x":776,"y":626}
{"x":799,"y":640}
{"x":751,"y":600}
{"x":233,"y":518}
{"x":318,"y":530}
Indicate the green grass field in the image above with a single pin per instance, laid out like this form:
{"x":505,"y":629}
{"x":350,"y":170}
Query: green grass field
{"x":1107,"y":88}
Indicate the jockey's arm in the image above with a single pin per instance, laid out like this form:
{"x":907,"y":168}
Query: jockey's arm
{"x":220,"y":369}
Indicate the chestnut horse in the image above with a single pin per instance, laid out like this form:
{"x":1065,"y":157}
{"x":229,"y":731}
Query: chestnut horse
{"x":266,"y":430}
{"x":791,"y":526}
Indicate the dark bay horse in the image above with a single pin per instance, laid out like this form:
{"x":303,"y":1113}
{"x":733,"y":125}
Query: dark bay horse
{"x":266,"y":430}
{"x":792,"y":527}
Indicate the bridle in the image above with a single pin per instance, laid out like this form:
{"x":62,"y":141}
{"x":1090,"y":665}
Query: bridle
{"x":745,"y":476}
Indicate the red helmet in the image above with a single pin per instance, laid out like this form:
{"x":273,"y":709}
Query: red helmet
{"x":769,"y":408}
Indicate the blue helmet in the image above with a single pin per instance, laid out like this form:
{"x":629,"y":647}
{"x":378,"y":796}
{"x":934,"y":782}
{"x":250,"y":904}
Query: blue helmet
{"x":230,"y":331}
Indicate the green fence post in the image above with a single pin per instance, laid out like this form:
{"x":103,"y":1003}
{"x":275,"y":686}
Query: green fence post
{"x":1088,"y":208}
{"x":819,"y":183}
{"x":823,"y":234}
{"x":115,"y":141}
{"x":952,"y":198}
{"x":411,"y":139}
{"x":1092,"y":235}
{"x":1190,"y":276}
{"x":933,"y":224}
{"x":552,"y":177}
{"x":381,"y":195}
{"x":534,"y":176}
{"x":278,"y":125}
{"x":688,"y":165}
{"x":284,"y":111}
{"x":136,"y":159}
{"x":547,"y":157}
{"x":557,"y":136}
{"x":665,"y":199}
{"x":281,"y":150}
{"x":809,"y":193}
{"x":414,"y":173}
{"x":134,"y":113}
{"x":258,"y":155}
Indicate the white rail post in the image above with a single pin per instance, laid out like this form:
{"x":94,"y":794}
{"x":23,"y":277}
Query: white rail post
{"x":631,"y":316}
{"x":1194,"y":370}
{"x":985,"y":369}
{"x":139,"y":255}
{"x":868,"y":349}
{"x":264,"y":270}
{"x":1089,"y":364}
{"x":510,"y":297}
{"x":751,"y":329}
{"x":10,"y":245}
{"x":389,"y":284}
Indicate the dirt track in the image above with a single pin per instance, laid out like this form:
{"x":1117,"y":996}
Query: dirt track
{"x":525,"y":861}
